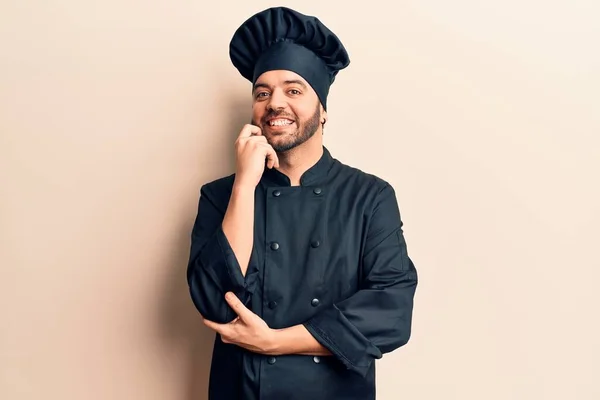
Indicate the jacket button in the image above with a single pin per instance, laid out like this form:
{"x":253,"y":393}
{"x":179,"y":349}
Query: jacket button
{"x":316,"y":359}
{"x":315,"y":302}
{"x":274,"y":246}
{"x":276,"y":193}
{"x":271,"y":360}
{"x":317,"y":190}
{"x":272,"y":304}
{"x":315,"y":243}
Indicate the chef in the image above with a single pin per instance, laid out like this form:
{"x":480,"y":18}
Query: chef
{"x":298,"y":261}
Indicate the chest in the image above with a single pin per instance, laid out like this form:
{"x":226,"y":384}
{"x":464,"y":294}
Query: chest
{"x":308,"y":242}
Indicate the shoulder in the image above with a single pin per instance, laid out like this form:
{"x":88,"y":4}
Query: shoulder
{"x":220,"y":183}
{"x":362,"y":180}
{"x":218,"y":189}
{"x":374,"y":193}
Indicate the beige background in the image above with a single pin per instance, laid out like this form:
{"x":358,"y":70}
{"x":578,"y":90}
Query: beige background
{"x":482,"y":114}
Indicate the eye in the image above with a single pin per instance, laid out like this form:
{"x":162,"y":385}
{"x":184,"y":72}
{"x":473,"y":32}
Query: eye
{"x":294,"y":91}
{"x":261,"y":95}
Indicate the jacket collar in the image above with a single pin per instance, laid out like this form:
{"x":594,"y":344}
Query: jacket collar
{"x":311,"y":176}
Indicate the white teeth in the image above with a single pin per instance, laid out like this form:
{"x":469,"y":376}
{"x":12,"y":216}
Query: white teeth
{"x":280,"y":122}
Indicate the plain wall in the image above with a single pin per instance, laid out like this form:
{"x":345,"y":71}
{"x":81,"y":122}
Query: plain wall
{"x":484,"y":116}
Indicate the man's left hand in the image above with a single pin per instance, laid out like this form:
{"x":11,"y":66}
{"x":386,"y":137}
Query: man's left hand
{"x":247,"y":330}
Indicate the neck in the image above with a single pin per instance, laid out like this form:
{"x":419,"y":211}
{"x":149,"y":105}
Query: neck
{"x":293,"y":163}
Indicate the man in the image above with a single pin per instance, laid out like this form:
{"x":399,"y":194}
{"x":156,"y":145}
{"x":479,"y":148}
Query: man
{"x":298,"y":261}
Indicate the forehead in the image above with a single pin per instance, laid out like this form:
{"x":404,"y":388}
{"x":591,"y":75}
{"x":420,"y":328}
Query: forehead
{"x":280,"y":78}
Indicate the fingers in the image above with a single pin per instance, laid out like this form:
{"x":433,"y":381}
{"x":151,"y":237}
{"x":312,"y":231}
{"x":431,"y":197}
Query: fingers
{"x":237,"y":306}
{"x":272,"y":159}
{"x":224,"y":330}
{"x":213,"y":325}
{"x":250,"y":133}
{"x":261,"y":141}
{"x":249,"y":130}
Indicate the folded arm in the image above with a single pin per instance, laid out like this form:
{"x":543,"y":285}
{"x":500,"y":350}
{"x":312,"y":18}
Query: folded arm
{"x":221,"y":256}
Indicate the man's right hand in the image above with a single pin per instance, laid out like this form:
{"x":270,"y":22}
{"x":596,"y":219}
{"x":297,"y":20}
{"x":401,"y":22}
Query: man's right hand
{"x":252,"y":149}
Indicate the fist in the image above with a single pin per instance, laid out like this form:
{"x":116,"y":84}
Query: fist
{"x":252,"y":150}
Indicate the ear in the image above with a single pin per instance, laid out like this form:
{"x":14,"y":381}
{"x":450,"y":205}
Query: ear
{"x":323,"y":116}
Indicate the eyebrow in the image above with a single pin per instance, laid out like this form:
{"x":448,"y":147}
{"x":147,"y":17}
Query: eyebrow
{"x":288,"y":82}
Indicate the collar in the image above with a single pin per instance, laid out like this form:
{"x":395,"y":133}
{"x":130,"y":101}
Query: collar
{"x":314,"y":174}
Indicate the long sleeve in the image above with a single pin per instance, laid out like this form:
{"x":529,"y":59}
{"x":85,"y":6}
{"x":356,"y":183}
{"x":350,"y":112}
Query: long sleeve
{"x":377,"y":318}
{"x":213,"y":268}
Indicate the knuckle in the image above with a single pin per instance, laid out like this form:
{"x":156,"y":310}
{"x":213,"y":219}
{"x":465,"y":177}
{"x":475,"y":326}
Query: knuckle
{"x":259,"y":144}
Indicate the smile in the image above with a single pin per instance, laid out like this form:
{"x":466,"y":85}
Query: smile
{"x":280,"y":122}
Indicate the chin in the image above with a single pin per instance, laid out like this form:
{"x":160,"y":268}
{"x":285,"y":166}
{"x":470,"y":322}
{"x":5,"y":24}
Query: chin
{"x":282,"y":147}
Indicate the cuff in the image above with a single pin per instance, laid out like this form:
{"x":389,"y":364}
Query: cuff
{"x":333,"y":330}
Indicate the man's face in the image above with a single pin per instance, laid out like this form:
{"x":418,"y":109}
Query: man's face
{"x":286,"y":108}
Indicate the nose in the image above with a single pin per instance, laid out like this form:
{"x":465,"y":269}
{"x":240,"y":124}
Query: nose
{"x":276,"y":100}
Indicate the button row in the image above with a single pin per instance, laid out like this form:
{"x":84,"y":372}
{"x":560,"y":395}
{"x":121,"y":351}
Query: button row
{"x":273,"y":360}
{"x":316,"y":191}
{"x":314,"y":244}
{"x":273,"y":304}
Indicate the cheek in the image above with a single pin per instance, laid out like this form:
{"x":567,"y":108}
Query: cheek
{"x":299,"y":111}
{"x":304,"y":114}
{"x":257,"y":113}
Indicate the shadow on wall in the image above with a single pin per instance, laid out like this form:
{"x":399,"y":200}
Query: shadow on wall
{"x":181,"y":324}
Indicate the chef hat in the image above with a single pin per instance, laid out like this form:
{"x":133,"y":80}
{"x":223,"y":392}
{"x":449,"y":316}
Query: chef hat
{"x":281,"y":38}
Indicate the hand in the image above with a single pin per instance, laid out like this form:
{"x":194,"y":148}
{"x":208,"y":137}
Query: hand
{"x":252,"y":149}
{"x":247,"y":330}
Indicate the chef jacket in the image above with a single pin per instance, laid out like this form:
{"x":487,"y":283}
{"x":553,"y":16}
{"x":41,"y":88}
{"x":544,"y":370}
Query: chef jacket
{"x":329,"y":254}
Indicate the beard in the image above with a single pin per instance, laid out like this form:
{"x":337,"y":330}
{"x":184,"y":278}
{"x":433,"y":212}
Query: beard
{"x":301,"y":134}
